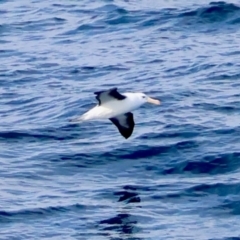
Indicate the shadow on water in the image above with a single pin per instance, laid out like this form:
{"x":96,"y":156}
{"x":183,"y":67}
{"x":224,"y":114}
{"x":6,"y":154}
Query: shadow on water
{"x":123,"y":224}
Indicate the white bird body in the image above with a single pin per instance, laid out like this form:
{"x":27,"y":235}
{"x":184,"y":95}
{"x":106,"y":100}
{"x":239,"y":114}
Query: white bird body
{"x":114,"y":108}
{"x":117,"y":108}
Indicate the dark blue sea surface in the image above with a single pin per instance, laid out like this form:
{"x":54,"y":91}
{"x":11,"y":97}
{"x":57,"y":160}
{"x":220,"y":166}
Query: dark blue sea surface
{"x":177,"y":176}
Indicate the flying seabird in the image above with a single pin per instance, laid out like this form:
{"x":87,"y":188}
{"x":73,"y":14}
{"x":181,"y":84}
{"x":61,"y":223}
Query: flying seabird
{"x":117,"y":108}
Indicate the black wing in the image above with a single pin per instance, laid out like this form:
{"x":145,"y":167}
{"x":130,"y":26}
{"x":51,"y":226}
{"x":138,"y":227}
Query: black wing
{"x":108,"y":95}
{"x":124,"y":123}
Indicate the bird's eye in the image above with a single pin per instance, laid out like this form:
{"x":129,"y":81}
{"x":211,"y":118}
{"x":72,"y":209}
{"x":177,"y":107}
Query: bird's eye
{"x":143,"y":96}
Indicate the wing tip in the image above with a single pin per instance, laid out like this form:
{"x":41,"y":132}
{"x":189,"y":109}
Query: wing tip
{"x":126,"y":136}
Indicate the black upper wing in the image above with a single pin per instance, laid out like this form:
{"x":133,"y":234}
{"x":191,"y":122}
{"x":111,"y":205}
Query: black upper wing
{"x":124,"y":123}
{"x":108,"y":95}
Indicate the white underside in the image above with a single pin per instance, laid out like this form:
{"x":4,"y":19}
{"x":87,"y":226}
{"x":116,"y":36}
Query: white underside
{"x":111,"y":109}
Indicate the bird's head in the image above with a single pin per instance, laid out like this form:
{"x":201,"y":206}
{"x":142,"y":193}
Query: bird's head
{"x":144,"y":98}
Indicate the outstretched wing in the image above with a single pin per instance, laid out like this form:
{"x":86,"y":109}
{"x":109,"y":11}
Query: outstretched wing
{"x":108,"y":95}
{"x":124,"y":123}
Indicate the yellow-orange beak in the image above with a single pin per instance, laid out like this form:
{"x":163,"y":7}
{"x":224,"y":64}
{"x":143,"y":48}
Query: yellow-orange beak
{"x":153,"y":101}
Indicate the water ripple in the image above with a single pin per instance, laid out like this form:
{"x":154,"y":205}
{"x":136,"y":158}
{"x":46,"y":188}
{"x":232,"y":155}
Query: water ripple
{"x":176,"y":177}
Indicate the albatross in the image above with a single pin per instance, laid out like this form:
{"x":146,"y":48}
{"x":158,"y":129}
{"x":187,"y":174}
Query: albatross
{"x":117,"y":108}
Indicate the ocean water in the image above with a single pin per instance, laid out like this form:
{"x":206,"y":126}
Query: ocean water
{"x":177,"y":176}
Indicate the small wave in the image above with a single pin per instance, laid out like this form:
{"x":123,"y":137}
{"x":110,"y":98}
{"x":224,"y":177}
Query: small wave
{"x":232,"y":206}
{"x":63,"y":6}
{"x":111,"y":8}
{"x":216,"y":11}
{"x":173,"y":134}
{"x":7,"y":216}
{"x":100,"y":19}
{"x":225,"y":77}
{"x":210,"y":164}
{"x":235,"y":21}
{"x":221,"y":108}
{"x":213,"y":13}
{"x":147,"y":152}
{"x":221,"y":190}
{"x":50,"y":134}
{"x":42,"y":24}
{"x":91,"y":69}
{"x":83,"y":160}
{"x":14,"y":135}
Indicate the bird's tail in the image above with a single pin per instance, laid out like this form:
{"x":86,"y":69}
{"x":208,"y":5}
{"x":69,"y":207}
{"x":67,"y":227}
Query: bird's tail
{"x":89,"y":115}
{"x":80,"y":119}
{"x":77,"y":119}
